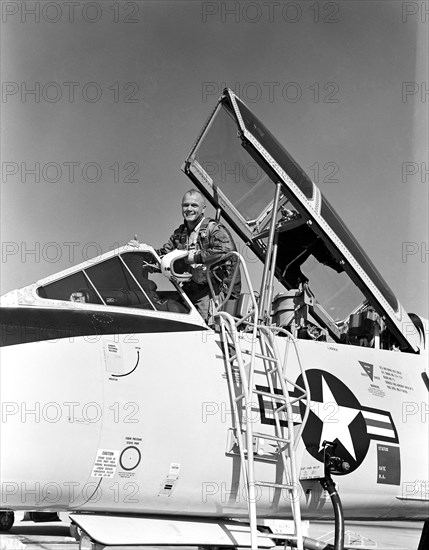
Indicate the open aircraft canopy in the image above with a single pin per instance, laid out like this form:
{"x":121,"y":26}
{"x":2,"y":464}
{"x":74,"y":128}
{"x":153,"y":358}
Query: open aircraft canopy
{"x":236,"y":163}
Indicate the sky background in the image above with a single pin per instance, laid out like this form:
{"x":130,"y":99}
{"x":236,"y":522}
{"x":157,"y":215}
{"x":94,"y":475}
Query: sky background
{"x":123,"y":88}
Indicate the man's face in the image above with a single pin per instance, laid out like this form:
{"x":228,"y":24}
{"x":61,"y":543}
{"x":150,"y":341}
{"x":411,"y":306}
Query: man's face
{"x":192,"y":207}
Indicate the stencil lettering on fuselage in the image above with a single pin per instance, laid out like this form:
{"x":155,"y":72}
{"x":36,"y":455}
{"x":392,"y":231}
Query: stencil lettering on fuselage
{"x":388,"y":465}
{"x":105,"y":463}
{"x":113,"y":356}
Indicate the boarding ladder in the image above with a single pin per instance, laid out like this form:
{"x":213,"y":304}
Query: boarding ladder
{"x":263,"y":347}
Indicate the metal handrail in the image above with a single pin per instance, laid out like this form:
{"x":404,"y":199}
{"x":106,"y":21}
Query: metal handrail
{"x":265,"y":336}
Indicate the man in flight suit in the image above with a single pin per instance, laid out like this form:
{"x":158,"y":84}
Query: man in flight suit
{"x":207,"y":242}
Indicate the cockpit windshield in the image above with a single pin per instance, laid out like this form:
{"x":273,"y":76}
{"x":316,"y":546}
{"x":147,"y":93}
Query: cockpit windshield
{"x":336,"y":292}
{"x":223,"y":161}
{"x":130,"y":279}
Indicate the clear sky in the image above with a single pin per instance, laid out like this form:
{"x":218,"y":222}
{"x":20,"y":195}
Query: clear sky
{"x":121,"y":89}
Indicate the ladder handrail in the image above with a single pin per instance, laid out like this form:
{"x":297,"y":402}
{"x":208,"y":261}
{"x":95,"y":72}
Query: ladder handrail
{"x":306,"y":390}
{"x":292,"y":473}
{"x":239,"y":263}
{"x":246,"y":379}
{"x":248,"y":474}
{"x":275,"y":371}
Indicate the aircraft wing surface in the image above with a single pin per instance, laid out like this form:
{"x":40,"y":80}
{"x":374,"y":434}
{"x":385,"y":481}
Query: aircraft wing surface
{"x":119,"y":530}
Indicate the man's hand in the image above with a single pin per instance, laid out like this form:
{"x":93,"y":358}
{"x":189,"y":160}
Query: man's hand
{"x":190,"y":258}
{"x":151,"y":268}
{"x":134,"y":242}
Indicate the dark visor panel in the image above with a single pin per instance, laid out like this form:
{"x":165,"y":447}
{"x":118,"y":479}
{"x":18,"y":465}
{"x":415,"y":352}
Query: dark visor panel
{"x":25,"y":325}
{"x":332,"y":218}
{"x":276,"y":150}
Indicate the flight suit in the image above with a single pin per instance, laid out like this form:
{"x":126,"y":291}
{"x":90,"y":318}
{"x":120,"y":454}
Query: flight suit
{"x":210,"y":241}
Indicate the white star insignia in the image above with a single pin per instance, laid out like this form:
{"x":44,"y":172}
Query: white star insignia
{"x":336,"y":419}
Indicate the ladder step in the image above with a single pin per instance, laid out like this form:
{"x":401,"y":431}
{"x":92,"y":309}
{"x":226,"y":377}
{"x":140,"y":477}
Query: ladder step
{"x":271,"y":437}
{"x":274,"y":369}
{"x":260,"y":356}
{"x":267,"y":358}
{"x":277,"y":536}
{"x":277,"y":396}
{"x":276,"y":485}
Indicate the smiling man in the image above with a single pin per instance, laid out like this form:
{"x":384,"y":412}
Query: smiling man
{"x":207,"y":242}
